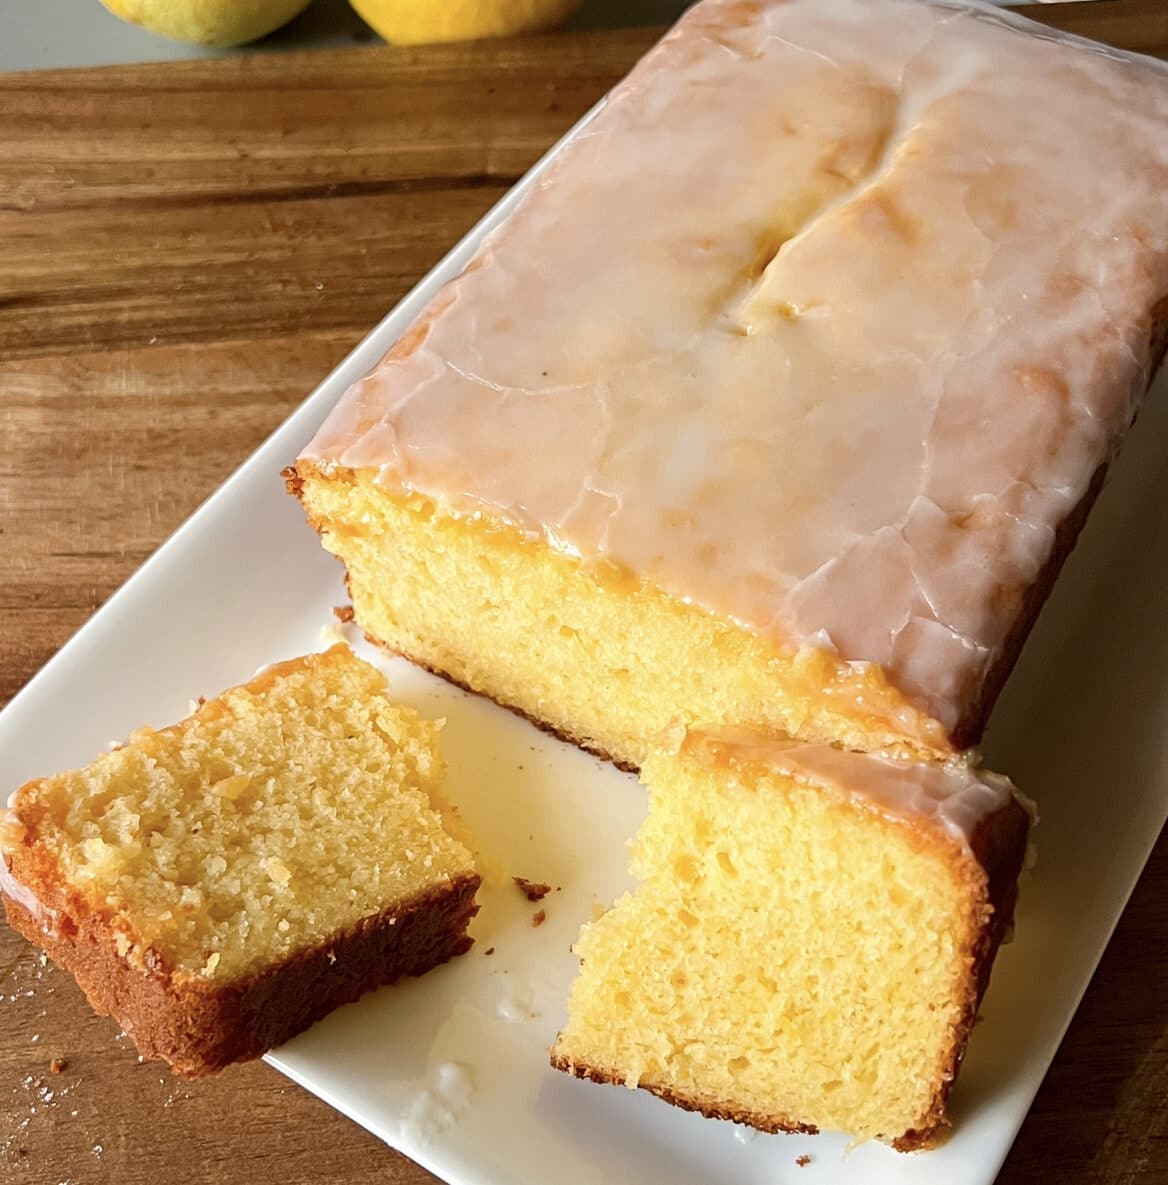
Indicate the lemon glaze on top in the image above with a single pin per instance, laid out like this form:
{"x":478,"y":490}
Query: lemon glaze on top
{"x":824,"y":324}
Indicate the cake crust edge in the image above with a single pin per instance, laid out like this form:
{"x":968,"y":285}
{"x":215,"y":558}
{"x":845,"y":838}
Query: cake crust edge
{"x":201,"y":1026}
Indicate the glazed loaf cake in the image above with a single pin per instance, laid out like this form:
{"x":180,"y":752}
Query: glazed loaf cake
{"x":776,"y":405}
{"x":782,"y":395}
{"x":219,"y":885}
{"x":811,"y":938}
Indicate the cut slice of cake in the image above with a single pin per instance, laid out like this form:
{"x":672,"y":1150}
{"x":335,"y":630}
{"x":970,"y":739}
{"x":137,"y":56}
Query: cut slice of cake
{"x":782,"y":395}
{"x":219,"y":885}
{"x":810,"y":940}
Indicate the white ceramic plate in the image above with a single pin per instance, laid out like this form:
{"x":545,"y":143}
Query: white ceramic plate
{"x":452,"y":1069}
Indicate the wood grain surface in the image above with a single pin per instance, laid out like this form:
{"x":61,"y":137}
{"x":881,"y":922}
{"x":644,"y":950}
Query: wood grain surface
{"x":185,"y":250}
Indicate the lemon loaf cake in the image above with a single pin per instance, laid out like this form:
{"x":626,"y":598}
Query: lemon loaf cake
{"x":810,"y":940}
{"x":219,"y":885}
{"x":782,"y":394}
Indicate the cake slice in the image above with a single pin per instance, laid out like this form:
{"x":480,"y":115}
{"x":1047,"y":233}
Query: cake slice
{"x":219,"y":885}
{"x":810,"y":939}
{"x":783,"y":394}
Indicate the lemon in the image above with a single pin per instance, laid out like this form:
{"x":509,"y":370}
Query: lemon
{"x":208,"y":22}
{"x":412,"y":22}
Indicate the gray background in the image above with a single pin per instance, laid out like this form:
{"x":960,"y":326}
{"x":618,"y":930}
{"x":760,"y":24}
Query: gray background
{"x":40,"y":33}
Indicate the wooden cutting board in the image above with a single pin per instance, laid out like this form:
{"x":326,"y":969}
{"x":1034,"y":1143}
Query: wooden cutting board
{"x":185,"y":250}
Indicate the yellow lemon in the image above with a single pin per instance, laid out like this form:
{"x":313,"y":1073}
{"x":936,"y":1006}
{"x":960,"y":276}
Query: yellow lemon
{"x":208,"y":22}
{"x":412,"y":22}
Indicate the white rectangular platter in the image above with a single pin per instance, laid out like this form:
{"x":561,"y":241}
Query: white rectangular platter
{"x":452,"y":1069}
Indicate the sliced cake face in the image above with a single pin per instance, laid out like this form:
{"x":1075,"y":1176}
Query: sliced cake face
{"x":218,"y":885}
{"x":825,"y":326}
{"x":602,"y":659}
{"x":806,"y":948}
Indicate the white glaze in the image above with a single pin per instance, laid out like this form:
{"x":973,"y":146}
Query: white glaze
{"x":517,"y":1002}
{"x":955,"y":796}
{"x":9,"y":885}
{"x":442,"y":1103}
{"x":824,"y":323}
{"x":332,"y":635}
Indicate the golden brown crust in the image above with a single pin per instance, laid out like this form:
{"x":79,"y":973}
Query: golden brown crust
{"x":200,"y":1025}
{"x":998,"y":848}
{"x":711,"y":1108}
{"x":293,"y":482}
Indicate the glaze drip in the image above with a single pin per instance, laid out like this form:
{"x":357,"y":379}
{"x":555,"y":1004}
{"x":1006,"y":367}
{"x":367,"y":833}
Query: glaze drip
{"x":955,"y":795}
